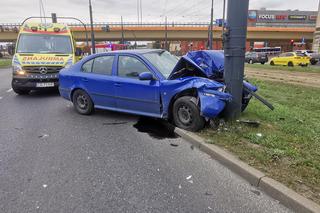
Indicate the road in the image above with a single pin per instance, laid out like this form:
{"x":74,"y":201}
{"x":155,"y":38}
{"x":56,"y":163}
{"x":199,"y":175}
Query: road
{"x":54,"y":160}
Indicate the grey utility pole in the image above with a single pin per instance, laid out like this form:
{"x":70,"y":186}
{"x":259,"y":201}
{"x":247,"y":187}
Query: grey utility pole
{"x":166,"y":34}
{"x":93,"y":44}
{"x":223,"y":21}
{"x":122,"y":31}
{"x":234,"y":51}
{"x":211,"y":28}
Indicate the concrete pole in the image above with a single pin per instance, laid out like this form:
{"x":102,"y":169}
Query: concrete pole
{"x":316,"y":36}
{"x":211,"y":28}
{"x":122,"y":31}
{"x":93,"y":44}
{"x":235,"y":46}
{"x":166,"y":34}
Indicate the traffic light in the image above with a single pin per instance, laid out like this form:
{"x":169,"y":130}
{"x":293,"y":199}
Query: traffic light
{"x":291,"y":42}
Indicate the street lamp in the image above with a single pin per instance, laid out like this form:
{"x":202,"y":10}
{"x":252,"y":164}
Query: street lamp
{"x":92,"y":32}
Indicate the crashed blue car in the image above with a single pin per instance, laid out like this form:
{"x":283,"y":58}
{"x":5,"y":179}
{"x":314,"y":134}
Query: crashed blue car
{"x":151,"y":83}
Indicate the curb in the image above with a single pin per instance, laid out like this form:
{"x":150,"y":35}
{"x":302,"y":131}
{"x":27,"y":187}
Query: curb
{"x":273,"y":188}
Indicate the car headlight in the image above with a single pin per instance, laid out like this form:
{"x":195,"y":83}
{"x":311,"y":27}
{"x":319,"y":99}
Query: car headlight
{"x":17,"y":70}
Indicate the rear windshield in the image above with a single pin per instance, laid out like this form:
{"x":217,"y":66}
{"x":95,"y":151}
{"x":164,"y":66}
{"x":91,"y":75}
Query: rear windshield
{"x":300,"y":54}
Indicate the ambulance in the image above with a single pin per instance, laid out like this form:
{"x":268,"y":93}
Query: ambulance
{"x":42,"y":50}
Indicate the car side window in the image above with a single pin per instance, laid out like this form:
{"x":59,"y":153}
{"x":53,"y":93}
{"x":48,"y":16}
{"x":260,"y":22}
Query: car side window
{"x":289,"y":54}
{"x":282,"y":55}
{"x":130,"y":67}
{"x":103,"y":65}
{"x":87,"y":67}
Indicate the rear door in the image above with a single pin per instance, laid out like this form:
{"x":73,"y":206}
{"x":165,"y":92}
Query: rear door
{"x":97,"y":79}
{"x":134,"y":95}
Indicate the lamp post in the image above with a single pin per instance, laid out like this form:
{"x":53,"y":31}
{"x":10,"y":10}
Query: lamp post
{"x":93,"y":44}
{"x":211,"y":28}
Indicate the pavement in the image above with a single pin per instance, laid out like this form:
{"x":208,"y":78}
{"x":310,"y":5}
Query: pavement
{"x":55,"y":160}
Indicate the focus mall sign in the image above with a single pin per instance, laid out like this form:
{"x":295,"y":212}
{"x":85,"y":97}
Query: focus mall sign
{"x":282,"y":18}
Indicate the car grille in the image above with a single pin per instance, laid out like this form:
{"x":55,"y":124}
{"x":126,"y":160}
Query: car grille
{"x":50,"y":69}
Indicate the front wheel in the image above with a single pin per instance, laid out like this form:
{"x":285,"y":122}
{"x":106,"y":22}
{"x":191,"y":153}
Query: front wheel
{"x":271,"y":63}
{"x":263,"y":63}
{"x":82,"y":102}
{"x":186,"y":114}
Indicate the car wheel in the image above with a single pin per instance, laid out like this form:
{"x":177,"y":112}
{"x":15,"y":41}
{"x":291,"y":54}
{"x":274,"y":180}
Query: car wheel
{"x":313,"y":62}
{"x":263,"y":63}
{"x":82,"y":102}
{"x":20,"y":91}
{"x":250,"y":61}
{"x":271,"y":63}
{"x":290,"y":64}
{"x":186,"y":114}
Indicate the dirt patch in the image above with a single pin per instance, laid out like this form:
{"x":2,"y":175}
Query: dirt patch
{"x":297,"y":78}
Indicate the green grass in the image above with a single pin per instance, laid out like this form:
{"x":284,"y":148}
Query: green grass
{"x":5,"y":63}
{"x":289,"y":146}
{"x":312,"y":69}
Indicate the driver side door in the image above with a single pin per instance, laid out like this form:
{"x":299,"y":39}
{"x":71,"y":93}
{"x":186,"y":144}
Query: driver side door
{"x":134,"y":95}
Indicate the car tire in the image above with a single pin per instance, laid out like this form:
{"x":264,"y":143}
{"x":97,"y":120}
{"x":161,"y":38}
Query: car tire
{"x":263,"y":63}
{"x":290,"y":64}
{"x":186,"y":114}
{"x":271,"y":63}
{"x":20,"y":91}
{"x":82,"y":102}
{"x":313,"y":62}
{"x":250,"y":61}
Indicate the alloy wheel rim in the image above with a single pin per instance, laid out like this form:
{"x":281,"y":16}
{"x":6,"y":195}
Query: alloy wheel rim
{"x":82,"y":102}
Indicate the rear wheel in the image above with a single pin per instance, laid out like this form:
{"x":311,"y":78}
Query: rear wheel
{"x":271,"y":63}
{"x":290,"y":64}
{"x":82,"y":102}
{"x":186,"y":114}
{"x":20,"y":91}
{"x":313,"y":61}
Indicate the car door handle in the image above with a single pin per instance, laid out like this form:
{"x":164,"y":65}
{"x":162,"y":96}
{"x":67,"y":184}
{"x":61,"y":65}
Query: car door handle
{"x":117,"y":84}
{"x":85,"y":79}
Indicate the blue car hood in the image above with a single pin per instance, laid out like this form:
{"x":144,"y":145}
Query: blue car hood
{"x":208,"y":63}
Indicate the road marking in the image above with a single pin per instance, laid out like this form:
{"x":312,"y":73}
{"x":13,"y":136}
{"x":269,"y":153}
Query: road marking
{"x":9,"y":90}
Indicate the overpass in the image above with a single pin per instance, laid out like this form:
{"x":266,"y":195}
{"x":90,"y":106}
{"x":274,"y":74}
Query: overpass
{"x":176,"y":32}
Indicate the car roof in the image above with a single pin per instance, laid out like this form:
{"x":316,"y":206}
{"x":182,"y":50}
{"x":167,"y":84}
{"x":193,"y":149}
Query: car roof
{"x":133,"y":52}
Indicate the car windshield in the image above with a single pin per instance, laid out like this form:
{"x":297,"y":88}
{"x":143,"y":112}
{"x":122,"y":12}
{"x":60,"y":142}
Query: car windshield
{"x":31,"y":43}
{"x":163,"y":61}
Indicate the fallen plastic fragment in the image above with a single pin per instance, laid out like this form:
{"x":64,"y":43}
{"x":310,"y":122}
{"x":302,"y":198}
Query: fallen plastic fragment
{"x":174,"y":144}
{"x":249,"y":123}
{"x":44,"y":185}
{"x":259,"y":134}
{"x":43,"y":136}
{"x":189,"y":177}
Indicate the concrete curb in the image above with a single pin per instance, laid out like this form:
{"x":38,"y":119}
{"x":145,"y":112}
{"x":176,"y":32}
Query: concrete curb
{"x":273,"y":188}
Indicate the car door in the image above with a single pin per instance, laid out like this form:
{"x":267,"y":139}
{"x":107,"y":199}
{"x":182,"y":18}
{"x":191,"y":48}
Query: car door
{"x":134,"y":95}
{"x":97,"y":79}
{"x":280,"y":60}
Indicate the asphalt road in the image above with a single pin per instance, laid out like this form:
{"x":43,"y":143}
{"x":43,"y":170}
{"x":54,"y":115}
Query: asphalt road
{"x":54,"y":160}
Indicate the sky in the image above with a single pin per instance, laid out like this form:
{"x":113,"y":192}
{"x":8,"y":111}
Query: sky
{"x":14,"y":11}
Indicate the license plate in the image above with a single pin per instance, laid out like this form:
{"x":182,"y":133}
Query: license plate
{"x":47,"y":84}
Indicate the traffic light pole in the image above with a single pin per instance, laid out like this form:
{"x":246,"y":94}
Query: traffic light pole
{"x":234,"y":50}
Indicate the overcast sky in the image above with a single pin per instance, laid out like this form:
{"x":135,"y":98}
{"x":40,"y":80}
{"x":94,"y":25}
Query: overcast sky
{"x":13,"y":11}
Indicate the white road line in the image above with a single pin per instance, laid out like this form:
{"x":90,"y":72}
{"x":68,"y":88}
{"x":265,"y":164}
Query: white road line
{"x":9,"y":90}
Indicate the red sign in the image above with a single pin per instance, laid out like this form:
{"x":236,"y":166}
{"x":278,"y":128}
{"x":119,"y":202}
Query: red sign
{"x":281,"y":17}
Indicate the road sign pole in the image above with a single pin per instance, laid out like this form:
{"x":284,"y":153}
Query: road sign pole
{"x":234,"y":50}
{"x":211,"y":28}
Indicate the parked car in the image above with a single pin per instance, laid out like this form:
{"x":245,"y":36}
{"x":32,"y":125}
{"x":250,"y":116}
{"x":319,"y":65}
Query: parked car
{"x":144,"y":82}
{"x":254,"y":57}
{"x":290,"y":59}
{"x":305,"y":52}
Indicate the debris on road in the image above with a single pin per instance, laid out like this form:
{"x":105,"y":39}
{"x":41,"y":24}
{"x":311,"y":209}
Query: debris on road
{"x":43,"y":136}
{"x":249,"y":123}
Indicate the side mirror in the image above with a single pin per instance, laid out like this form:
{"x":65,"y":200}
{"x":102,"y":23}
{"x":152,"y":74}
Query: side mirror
{"x":78,"y":51}
{"x":146,"y":76}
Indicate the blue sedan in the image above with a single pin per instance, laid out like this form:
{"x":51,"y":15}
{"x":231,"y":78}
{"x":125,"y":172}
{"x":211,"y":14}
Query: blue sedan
{"x":150,"y":83}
